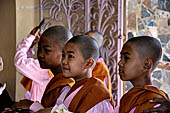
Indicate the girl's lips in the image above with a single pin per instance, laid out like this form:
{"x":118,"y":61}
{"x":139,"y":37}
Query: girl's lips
{"x":65,"y":68}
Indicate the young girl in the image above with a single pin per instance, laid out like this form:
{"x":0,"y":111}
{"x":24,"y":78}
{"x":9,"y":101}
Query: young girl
{"x":88,"y":94}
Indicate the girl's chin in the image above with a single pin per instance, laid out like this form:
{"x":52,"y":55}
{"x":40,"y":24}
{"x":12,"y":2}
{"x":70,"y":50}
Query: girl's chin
{"x":67,"y":76}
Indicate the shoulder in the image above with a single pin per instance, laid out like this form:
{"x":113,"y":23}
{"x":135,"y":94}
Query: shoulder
{"x":143,"y":93}
{"x":97,"y":86}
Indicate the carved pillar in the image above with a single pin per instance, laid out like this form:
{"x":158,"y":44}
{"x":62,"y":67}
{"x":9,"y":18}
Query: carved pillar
{"x":83,"y":15}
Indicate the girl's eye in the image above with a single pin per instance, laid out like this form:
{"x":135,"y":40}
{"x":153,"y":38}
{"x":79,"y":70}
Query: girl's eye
{"x":47,"y":50}
{"x":126,"y":58}
{"x":71,"y":56}
{"x":63,"y":55}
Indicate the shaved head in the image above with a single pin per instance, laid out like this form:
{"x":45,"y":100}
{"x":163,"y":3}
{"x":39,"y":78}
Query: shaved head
{"x":97,"y":36}
{"x":59,"y":34}
{"x":147,"y":47}
{"x":87,"y":46}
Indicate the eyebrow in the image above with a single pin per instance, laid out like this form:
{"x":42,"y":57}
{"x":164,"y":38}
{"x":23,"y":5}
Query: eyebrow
{"x":125,"y":53}
{"x":70,"y":51}
{"x":45,"y":45}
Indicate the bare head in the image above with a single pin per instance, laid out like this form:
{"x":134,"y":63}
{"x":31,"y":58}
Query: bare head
{"x":59,"y":34}
{"x":51,"y":45}
{"x":139,"y":57}
{"x":97,"y":36}
{"x":147,"y":47}
{"x":79,"y":57}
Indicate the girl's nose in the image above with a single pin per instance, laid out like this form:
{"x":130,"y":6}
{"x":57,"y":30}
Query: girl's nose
{"x":64,"y":60}
{"x":120,"y":63}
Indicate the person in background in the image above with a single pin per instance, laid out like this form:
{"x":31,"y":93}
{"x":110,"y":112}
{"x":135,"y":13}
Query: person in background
{"x":100,"y":70}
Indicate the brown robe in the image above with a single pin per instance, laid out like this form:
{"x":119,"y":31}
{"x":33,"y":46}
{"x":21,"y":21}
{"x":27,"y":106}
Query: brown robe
{"x":53,"y":89}
{"x":101,"y":71}
{"x":92,"y":92}
{"x":139,"y":97}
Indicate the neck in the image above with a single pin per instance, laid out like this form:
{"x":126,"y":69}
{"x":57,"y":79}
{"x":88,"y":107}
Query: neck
{"x":56,"y":70}
{"x":87,"y":75}
{"x":142,"y":81}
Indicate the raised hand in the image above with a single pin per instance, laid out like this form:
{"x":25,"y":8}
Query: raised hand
{"x":36,"y":32}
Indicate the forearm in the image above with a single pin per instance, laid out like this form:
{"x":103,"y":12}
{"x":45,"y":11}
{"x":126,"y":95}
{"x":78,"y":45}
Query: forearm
{"x":29,"y":67}
{"x":22,"y":48}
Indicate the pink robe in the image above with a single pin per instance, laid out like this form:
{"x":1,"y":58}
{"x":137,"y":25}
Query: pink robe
{"x":30,"y":68}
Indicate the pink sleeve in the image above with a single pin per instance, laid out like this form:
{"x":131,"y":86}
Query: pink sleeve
{"x":116,"y":110}
{"x":30,"y":53}
{"x":36,"y":106}
{"x":132,"y":110}
{"x":102,"y":107}
{"x":29,"y":67}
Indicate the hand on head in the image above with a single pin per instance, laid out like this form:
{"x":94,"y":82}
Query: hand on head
{"x":36,"y":32}
{"x":163,"y":108}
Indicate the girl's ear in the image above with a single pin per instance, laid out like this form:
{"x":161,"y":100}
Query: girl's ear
{"x":90,"y":62}
{"x":147,"y":64}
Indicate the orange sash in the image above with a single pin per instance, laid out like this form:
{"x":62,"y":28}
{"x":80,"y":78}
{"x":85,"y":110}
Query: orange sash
{"x":101,"y":71}
{"x":92,"y":92}
{"x":27,"y":83}
{"x":139,"y":97}
{"x":53,"y":89}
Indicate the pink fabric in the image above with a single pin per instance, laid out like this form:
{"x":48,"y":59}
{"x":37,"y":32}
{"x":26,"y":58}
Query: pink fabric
{"x":63,"y":93}
{"x":102,"y":107}
{"x":30,"y":68}
{"x":132,"y":110}
{"x":36,"y":106}
{"x":100,"y":59}
{"x":106,"y":78}
{"x":60,"y":99}
{"x":116,"y":110}
{"x":68,"y":100}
